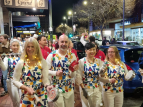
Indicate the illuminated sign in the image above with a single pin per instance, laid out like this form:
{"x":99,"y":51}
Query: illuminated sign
{"x":38,"y":4}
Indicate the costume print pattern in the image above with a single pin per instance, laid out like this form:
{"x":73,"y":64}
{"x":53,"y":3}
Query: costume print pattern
{"x":117,"y":72}
{"x":32,"y":77}
{"x":65,"y":82}
{"x":90,"y":75}
{"x":12,"y":61}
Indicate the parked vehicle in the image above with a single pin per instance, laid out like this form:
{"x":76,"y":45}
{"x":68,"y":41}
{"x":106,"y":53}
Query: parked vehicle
{"x":130,"y":55}
{"x":132,"y":43}
{"x":77,"y":45}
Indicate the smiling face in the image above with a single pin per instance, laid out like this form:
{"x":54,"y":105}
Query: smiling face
{"x":111,"y":53}
{"x":30,"y":50}
{"x":15,"y":47}
{"x":63,"y":43}
{"x":91,"y":52}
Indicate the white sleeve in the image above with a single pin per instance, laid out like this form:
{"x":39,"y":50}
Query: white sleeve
{"x":79,"y":72}
{"x":4,"y":65}
{"x":17,"y":74}
{"x":125,"y":68}
{"x":49,"y":62}
{"x":45,"y":78}
{"x":82,"y":40}
{"x":100,"y":63}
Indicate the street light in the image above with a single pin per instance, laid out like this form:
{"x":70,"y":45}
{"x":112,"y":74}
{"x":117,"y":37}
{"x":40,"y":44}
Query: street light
{"x":65,"y":18}
{"x":71,"y":14}
{"x":85,"y":2}
{"x":123,"y":17}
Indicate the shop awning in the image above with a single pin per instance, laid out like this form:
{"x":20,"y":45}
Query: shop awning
{"x":135,"y":25}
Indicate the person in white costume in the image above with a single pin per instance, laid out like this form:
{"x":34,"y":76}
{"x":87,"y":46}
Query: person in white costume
{"x":61,"y":77}
{"x":88,"y":77}
{"x":114,"y":71}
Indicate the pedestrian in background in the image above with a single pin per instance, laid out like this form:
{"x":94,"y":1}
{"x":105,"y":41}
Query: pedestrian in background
{"x":52,"y":48}
{"x":43,"y":46}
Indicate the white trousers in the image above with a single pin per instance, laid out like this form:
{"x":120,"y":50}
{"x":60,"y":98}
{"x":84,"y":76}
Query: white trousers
{"x":94,"y":98}
{"x":65,"y":99}
{"x":113,"y":99}
{"x":13,"y":92}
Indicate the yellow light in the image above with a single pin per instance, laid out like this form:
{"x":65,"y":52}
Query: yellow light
{"x":64,"y":17}
{"x":70,"y":12}
{"x":85,"y":2}
{"x":19,"y":31}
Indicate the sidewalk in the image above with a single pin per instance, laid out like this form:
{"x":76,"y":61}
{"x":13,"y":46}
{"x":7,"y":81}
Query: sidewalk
{"x":5,"y":101}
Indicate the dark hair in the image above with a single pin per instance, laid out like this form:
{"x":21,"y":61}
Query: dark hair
{"x":56,"y":46}
{"x":51,"y":43}
{"x":5,"y":36}
{"x":95,"y":43}
{"x":39,"y":37}
{"x":89,"y":46}
{"x":92,"y":38}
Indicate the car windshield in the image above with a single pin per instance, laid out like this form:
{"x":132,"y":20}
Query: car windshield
{"x":132,"y":43}
{"x":132,"y":55}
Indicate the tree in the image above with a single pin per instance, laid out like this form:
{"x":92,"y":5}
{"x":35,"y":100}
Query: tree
{"x":63,"y":29}
{"x":101,"y":11}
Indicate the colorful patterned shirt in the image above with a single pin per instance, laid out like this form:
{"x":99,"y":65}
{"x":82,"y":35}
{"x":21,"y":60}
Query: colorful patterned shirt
{"x":117,"y":72}
{"x":58,"y":62}
{"x":12,"y":61}
{"x":88,"y":73}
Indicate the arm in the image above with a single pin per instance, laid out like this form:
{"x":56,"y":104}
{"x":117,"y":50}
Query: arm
{"x":45,"y":79}
{"x":4,"y":65}
{"x":73,"y":74}
{"x":82,"y":40}
{"x":79,"y":74}
{"x":17,"y":74}
{"x":49,"y":64}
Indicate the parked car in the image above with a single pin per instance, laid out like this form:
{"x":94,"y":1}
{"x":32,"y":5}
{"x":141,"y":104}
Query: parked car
{"x":130,"y":55}
{"x":132,"y":43}
{"x":78,"y":46}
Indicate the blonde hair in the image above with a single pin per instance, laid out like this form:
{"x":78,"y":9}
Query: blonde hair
{"x":37,"y":49}
{"x":117,"y":56}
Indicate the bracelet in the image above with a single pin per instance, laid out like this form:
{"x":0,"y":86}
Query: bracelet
{"x":46,"y":86}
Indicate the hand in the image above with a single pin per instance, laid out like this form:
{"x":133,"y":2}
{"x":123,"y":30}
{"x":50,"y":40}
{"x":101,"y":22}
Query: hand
{"x":30,"y":91}
{"x":75,"y":67}
{"x":49,"y":88}
{"x":0,"y":58}
{"x":59,"y":73}
{"x":112,"y":80}
{"x":141,"y":71}
{"x":85,"y":94}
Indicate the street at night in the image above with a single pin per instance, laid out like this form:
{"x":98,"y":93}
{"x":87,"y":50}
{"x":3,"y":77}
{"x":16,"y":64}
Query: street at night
{"x":71,"y":53}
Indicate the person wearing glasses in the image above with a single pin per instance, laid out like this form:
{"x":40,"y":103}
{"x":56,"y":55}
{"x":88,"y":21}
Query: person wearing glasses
{"x":114,"y":72}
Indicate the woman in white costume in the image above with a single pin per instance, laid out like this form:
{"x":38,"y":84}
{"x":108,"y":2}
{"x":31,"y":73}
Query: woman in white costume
{"x":88,"y":77}
{"x":10,"y":63}
{"x":32,"y":70}
{"x":114,"y":72}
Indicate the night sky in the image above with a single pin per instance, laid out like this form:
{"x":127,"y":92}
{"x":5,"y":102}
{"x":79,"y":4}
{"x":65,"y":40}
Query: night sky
{"x":60,"y":9}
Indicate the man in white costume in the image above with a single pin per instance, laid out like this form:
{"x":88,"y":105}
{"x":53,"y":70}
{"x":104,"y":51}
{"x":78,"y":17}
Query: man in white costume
{"x":61,"y":76}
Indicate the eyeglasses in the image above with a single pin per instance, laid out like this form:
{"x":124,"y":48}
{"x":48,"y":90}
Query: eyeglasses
{"x":111,"y":51}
